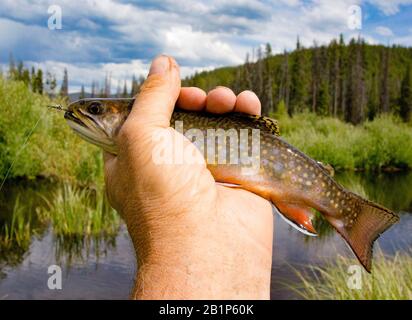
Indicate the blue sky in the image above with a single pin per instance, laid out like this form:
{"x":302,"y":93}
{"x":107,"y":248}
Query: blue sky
{"x":119,"y":38}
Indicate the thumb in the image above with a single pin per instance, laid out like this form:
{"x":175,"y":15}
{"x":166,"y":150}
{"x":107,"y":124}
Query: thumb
{"x":154,"y":104}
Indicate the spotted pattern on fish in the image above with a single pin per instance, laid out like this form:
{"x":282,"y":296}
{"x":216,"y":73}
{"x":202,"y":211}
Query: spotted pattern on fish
{"x":295,"y":183}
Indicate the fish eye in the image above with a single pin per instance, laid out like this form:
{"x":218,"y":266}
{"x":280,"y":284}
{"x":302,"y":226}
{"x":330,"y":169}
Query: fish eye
{"x":95,"y":108}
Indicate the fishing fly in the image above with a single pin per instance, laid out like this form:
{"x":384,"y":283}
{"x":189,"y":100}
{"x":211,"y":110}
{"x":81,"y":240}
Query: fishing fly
{"x":58,"y":107}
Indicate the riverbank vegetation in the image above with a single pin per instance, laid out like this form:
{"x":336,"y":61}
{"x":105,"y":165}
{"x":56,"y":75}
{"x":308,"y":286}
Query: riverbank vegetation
{"x":77,"y":217}
{"x":79,"y":213}
{"x":390,"y":280}
{"x":36,"y":141}
{"x":383,"y":143}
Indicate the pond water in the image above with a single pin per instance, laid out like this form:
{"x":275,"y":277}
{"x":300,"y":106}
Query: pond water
{"x":105,"y":268}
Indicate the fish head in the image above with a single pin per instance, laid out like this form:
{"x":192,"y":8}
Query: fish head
{"x":99,"y":120}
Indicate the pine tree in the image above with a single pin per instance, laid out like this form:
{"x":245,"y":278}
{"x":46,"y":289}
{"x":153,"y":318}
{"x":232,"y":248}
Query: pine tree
{"x":26,"y":77}
{"x":268,"y":82}
{"x":118,"y":90}
{"x":51,"y":84}
{"x":12,"y":67}
{"x":343,"y":74}
{"x":135,"y":87}
{"x":19,"y":71}
{"x":246,"y":75}
{"x":82,"y":94}
{"x":93,"y":93}
{"x":323,"y":98}
{"x":33,"y":79}
{"x":107,"y":85}
{"x":64,"y":90}
{"x":373,"y":96}
{"x":405,"y":101}
{"x":39,"y":81}
{"x":284,"y":86}
{"x":356,"y":88}
{"x":125,"y":94}
{"x":258,"y":80}
{"x":297,"y":84}
{"x":384,"y":98}
{"x":316,"y":75}
{"x":334,"y":76}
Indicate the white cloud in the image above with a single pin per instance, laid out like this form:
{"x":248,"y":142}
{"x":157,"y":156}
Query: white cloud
{"x":120,"y":38}
{"x":292,"y":3}
{"x":185,"y":43}
{"x":389,"y":7}
{"x":384,"y":31}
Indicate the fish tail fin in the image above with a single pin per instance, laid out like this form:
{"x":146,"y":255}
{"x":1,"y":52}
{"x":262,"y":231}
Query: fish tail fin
{"x":365,"y":222}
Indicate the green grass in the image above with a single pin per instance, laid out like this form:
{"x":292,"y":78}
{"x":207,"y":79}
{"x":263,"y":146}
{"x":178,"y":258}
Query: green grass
{"x":16,"y":233}
{"x":36,"y":141}
{"x":51,"y":149}
{"x":390,"y":279}
{"x":79,"y":213}
{"x":381,"y":143}
{"x":80,"y":218}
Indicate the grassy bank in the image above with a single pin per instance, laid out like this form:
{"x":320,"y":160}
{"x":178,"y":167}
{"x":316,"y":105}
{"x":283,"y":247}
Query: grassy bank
{"x":77,"y":213}
{"x":35,"y":140}
{"x":390,"y":279}
{"x":79,"y":218}
{"x":16,"y":235}
{"x":383,"y":143}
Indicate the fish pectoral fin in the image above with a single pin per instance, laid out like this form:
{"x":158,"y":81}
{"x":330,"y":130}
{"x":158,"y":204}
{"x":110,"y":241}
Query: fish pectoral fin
{"x":229,"y":185}
{"x":299,"y":217}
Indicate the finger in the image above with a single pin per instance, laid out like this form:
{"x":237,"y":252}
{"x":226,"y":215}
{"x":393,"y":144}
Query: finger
{"x":191,"y":98}
{"x":220,"y":100}
{"x":156,"y":100}
{"x":248,"y":102}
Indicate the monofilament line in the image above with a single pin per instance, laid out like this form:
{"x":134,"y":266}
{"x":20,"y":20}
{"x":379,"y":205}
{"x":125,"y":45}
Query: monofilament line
{"x":21,"y":148}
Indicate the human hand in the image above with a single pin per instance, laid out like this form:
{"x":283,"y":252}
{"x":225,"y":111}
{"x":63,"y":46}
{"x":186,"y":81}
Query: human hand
{"x":194,"y":239}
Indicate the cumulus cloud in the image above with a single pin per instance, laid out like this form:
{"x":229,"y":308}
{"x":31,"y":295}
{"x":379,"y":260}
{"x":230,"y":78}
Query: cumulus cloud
{"x":384,"y":31}
{"x":389,"y":7}
{"x":117,"y":37}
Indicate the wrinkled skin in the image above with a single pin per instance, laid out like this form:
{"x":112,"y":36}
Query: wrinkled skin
{"x":193,"y":239}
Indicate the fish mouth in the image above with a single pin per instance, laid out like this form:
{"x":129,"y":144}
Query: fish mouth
{"x":70,"y":115}
{"x":92,"y":132}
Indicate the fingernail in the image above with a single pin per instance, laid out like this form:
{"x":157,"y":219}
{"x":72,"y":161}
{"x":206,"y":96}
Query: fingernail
{"x":160,"y":65}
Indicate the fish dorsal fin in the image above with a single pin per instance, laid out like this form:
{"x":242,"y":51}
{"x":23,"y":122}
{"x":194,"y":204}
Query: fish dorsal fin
{"x":269,"y":123}
{"x":327,"y":167}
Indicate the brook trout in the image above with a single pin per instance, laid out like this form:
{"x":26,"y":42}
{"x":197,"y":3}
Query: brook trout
{"x":293,"y":182}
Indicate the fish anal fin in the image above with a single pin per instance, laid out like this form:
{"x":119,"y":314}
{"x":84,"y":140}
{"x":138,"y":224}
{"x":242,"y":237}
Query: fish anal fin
{"x":299,"y":215}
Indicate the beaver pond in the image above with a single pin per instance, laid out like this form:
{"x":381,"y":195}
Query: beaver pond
{"x":103,"y":267}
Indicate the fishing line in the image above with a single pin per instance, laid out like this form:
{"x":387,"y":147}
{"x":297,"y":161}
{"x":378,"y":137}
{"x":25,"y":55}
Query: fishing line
{"x":21,"y":148}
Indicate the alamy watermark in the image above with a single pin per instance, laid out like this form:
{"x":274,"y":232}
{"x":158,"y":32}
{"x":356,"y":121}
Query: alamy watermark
{"x":55,"y":19}
{"x":354,"y":280}
{"x":217,"y":146}
{"x":354,"y":21}
{"x":54,"y":282}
